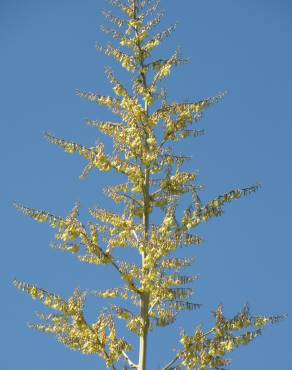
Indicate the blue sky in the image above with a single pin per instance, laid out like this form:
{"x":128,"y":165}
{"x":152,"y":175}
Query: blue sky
{"x":244,"y":47}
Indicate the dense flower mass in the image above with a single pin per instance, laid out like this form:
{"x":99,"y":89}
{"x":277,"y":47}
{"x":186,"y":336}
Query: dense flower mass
{"x":155,"y":291}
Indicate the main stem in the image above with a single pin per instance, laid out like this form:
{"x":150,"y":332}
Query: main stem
{"x":144,"y":300}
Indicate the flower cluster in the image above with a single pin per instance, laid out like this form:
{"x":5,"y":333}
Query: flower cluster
{"x":125,"y":60}
{"x":204,"y":351}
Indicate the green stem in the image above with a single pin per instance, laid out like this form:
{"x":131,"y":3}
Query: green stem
{"x":144,"y":303}
{"x":144,"y":297}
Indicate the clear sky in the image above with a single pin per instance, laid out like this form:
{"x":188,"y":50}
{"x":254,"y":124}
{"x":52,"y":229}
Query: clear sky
{"x":244,"y":47}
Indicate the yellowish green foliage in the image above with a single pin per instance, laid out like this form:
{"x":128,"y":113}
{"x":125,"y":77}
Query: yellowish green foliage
{"x":156,"y":290}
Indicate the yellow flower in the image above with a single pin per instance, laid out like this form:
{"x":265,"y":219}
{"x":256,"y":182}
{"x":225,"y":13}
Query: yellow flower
{"x":229,"y":346}
{"x":34,"y":292}
{"x":135,"y":23}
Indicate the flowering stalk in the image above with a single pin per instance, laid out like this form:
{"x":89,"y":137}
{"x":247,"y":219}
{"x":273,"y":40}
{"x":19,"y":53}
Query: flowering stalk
{"x":155,"y":291}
